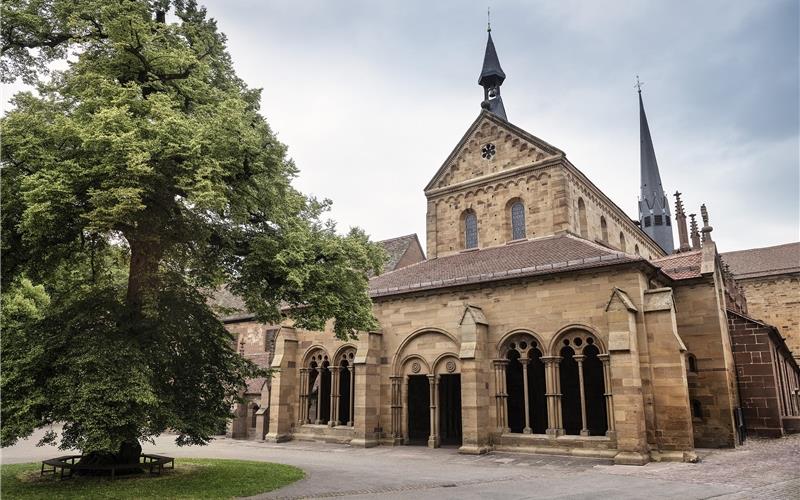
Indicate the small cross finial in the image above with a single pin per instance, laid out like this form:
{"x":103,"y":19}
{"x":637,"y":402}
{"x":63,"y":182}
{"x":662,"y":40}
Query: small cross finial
{"x":638,"y":85}
{"x":489,"y":19}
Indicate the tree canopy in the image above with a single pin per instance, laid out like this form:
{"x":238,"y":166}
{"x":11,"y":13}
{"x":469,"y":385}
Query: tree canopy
{"x":135,"y":182}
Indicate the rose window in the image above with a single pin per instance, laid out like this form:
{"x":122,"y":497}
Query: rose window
{"x":488,"y":151}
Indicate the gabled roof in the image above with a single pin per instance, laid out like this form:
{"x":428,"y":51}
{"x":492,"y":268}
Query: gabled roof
{"x":396,"y":248}
{"x":681,"y":266}
{"x":544,"y":146}
{"x":542,"y":256}
{"x":767,"y":261}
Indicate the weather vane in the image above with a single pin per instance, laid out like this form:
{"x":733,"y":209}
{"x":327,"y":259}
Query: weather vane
{"x":489,"y":19}
{"x":638,"y":85}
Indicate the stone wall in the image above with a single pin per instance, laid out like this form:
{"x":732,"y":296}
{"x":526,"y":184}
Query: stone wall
{"x":769,"y":380}
{"x":703,"y":327}
{"x":776,"y":301}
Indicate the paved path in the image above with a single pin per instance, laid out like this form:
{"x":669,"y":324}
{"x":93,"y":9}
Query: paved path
{"x":768,"y":469}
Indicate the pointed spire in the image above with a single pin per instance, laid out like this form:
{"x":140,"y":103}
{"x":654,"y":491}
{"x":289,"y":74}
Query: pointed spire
{"x":492,"y":77}
{"x":680,"y":219}
{"x":654,"y":214}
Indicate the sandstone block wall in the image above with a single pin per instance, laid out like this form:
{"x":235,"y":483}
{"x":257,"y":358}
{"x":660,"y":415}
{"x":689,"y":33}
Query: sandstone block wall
{"x":776,"y":301}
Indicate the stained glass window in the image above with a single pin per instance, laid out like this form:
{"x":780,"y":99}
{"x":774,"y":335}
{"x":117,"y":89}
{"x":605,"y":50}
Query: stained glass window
{"x":517,"y":221}
{"x":471,"y":230}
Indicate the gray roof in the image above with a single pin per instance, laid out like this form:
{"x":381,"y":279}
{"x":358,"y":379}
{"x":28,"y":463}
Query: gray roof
{"x":760,"y":262}
{"x":397,"y":247}
{"x":537,"y":257}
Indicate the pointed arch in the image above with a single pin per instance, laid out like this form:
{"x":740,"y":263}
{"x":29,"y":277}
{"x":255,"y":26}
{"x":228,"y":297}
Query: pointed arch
{"x":583,"y":224}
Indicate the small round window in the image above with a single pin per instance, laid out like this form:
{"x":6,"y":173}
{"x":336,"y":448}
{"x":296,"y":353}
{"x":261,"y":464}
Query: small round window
{"x":488,"y":151}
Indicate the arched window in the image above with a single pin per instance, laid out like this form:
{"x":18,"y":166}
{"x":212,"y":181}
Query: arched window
{"x":345,"y":387}
{"x":470,"y":230}
{"x":622,"y":245}
{"x":527,"y":413}
{"x":697,"y":410}
{"x":517,"y":220}
{"x":584,"y":388}
{"x":691,"y":363}
{"x":636,"y":249}
{"x":604,"y":228}
{"x":584,"y":225}
{"x":253,"y":409}
{"x":315,"y":387}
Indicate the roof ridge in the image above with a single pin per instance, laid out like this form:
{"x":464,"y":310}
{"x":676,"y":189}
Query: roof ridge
{"x":794,"y":243}
{"x":397,"y":238}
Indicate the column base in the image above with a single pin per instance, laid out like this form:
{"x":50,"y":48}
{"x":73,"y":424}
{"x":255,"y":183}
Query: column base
{"x":554,"y":432}
{"x":630,"y":458}
{"x":527,"y":430}
{"x":471,"y":449}
{"x":364,"y":442}
{"x":433,"y":442}
{"x":277,"y":438}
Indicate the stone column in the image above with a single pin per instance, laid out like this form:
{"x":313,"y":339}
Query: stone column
{"x":318,"y":416}
{"x":555,"y":427}
{"x":284,"y":384}
{"x":584,"y":429}
{"x":501,"y":395}
{"x":397,"y":409}
{"x":524,"y":362}
{"x":351,"y":413}
{"x":404,"y":414}
{"x":608,"y":395}
{"x":433,"y":382}
{"x":333,"y":418}
{"x":303,"y":413}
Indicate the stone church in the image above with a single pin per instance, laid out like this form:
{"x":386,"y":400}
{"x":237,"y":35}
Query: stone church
{"x":543,"y":319}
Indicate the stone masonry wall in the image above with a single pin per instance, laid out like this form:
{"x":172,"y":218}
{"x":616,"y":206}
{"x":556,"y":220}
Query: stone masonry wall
{"x":776,"y":301}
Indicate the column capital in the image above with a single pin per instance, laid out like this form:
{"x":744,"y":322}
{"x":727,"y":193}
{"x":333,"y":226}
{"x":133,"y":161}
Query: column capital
{"x":551,"y":359}
{"x":500,"y":362}
{"x":603,"y":357}
{"x":396,"y":378}
{"x":524,"y":361}
{"x":579,"y":358}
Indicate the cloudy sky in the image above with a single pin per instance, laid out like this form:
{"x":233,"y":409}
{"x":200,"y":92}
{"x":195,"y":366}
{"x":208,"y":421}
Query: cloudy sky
{"x":371,"y":97}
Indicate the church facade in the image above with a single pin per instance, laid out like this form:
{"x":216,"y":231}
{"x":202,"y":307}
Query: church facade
{"x":543,"y":319}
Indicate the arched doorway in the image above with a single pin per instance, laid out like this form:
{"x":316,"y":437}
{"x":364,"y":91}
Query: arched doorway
{"x":426,"y":393}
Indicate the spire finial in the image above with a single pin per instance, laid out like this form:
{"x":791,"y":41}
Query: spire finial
{"x":638,"y":85}
{"x":489,"y":19}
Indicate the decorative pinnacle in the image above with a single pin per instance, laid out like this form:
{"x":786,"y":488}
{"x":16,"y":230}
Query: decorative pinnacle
{"x":489,"y":19}
{"x":678,"y":202}
{"x":638,"y":85}
{"x":704,"y":214}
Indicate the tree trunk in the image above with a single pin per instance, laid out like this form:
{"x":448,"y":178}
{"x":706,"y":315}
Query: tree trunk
{"x":128,"y":455}
{"x":143,"y":274}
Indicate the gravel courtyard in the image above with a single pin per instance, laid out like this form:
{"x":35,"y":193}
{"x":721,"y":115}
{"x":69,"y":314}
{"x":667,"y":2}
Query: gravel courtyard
{"x":768,"y":469}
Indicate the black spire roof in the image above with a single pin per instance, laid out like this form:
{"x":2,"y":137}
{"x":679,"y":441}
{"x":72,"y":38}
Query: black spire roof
{"x":491,"y":73}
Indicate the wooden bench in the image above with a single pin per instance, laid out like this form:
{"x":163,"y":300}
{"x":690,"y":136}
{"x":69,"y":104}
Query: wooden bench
{"x":155,"y":465}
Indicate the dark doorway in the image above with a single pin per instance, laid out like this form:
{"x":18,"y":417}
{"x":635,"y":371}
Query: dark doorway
{"x":516,"y":394}
{"x":450,"y":410}
{"x":537,"y":392}
{"x":570,"y":392}
{"x":594,"y":390}
{"x":325,"y":394}
{"x":419,"y":409}
{"x":344,"y":394}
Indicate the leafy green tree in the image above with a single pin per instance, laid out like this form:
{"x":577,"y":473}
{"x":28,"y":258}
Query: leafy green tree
{"x":135,"y":183}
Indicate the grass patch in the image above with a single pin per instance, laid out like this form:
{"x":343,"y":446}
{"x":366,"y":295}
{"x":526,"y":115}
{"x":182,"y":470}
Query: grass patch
{"x":191,"y":478}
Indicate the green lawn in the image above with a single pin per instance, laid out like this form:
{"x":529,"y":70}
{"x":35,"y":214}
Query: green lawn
{"x":192,"y":478}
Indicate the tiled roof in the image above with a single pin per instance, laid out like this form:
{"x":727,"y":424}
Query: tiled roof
{"x":757,"y":262}
{"x":529,"y":258}
{"x":681,"y":266}
{"x":396,"y":248}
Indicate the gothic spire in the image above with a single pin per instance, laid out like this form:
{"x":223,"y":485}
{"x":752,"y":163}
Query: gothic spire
{"x":654,"y":215}
{"x":491,"y":79}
